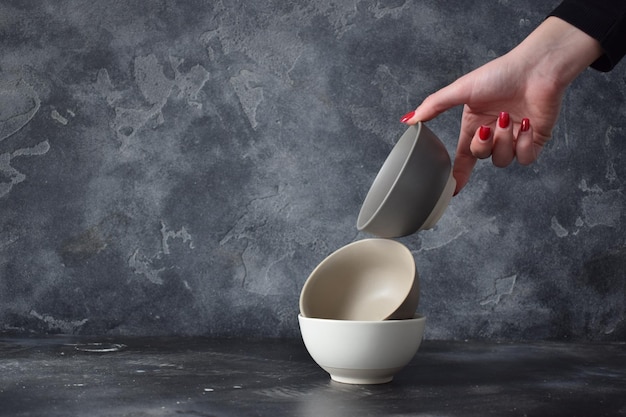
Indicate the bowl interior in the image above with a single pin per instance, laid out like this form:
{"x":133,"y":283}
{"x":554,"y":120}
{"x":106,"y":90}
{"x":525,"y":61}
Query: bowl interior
{"x":441,"y":205}
{"x":365,"y":280}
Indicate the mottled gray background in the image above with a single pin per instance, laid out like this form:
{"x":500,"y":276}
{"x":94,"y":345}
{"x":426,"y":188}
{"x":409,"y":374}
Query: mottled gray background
{"x":179,"y":167}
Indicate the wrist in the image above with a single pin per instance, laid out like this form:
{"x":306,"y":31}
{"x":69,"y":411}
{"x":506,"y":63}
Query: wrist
{"x":559,"y":51}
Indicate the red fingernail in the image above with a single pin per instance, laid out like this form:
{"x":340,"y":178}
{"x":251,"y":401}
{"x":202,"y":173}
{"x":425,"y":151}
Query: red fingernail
{"x":525,"y":125}
{"x":503,"y":120}
{"x":484,"y":132}
{"x":407,"y":116}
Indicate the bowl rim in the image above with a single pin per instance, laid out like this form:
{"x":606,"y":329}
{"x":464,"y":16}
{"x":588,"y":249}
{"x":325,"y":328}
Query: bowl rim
{"x":362,"y":225}
{"x":416,"y":318}
{"x":319,"y":266}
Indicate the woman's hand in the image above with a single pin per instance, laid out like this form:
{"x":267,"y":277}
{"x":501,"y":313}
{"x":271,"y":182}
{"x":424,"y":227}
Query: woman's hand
{"x":512,"y":103}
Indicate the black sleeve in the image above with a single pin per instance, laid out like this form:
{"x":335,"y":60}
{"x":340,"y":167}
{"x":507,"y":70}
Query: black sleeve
{"x":604,"y":20}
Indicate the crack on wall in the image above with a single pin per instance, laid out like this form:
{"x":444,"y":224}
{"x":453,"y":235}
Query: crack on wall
{"x":59,"y":117}
{"x":142,"y":265}
{"x":19,"y":103}
{"x":145,"y":265}
{"x":243,"y":265}
{"x":166,"y":235}
{"x":237,"y":230}
{"x":8,"y":172}
{"x":54,"y":324}
{"x":156,"y":89}
{"x":250,"y":94}
{"x":502,"y":286}
{"x":557,"y":228}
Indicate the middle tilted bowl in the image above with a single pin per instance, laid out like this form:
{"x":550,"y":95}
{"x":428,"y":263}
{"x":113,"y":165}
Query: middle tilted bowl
{"x":369,"y":280}
{"x":412,"y":189}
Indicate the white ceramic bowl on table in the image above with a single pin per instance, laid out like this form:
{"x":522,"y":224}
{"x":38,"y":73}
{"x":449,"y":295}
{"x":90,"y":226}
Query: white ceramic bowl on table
{"x":362,"y":352}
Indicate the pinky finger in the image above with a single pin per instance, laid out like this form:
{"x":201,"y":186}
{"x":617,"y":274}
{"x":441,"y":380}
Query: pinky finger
{"x":524,"y":147}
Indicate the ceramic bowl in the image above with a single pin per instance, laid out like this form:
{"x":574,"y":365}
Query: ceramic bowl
{"x":412,"y":189}
{"x":370,"y":279}
{"x":362,"y":352}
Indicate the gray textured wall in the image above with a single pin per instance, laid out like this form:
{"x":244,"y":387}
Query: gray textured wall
{"x":180,"y":168}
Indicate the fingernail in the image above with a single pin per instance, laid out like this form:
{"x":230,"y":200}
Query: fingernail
{"x":525,"y":125}
{"x":407,"y":116}
{"x":503,"y":120}
{"x":484,"y":132}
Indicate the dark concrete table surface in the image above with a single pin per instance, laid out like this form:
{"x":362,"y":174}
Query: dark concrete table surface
{"x":69,"y":376}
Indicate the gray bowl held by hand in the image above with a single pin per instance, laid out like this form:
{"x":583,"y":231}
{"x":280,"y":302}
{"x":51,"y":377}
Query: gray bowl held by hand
{"x":412,"y":189}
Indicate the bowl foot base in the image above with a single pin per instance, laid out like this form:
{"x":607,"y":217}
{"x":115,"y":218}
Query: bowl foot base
{"x":361,"y":381}
{"x":362,"y":376}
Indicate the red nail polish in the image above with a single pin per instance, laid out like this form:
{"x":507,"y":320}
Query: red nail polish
{"x":407,"y":116}
{"x":525,"y":125}
{"x":484,"y":132}
{"x":503,"y":120}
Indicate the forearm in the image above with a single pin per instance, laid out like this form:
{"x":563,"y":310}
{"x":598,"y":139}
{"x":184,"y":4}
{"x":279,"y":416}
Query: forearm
{"x":604,"y":20}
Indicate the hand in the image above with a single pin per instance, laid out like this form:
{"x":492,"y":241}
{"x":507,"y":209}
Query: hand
{"x":512,"y":103}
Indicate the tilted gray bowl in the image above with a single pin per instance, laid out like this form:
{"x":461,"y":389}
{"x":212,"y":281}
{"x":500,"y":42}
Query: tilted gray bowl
{"x":412,"y":189}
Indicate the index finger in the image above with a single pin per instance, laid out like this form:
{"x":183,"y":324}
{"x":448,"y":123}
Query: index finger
{"x":450,"y":96}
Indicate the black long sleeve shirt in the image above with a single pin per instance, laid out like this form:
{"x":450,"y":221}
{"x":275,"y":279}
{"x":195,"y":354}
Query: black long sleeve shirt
{"x":603,"y":20}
